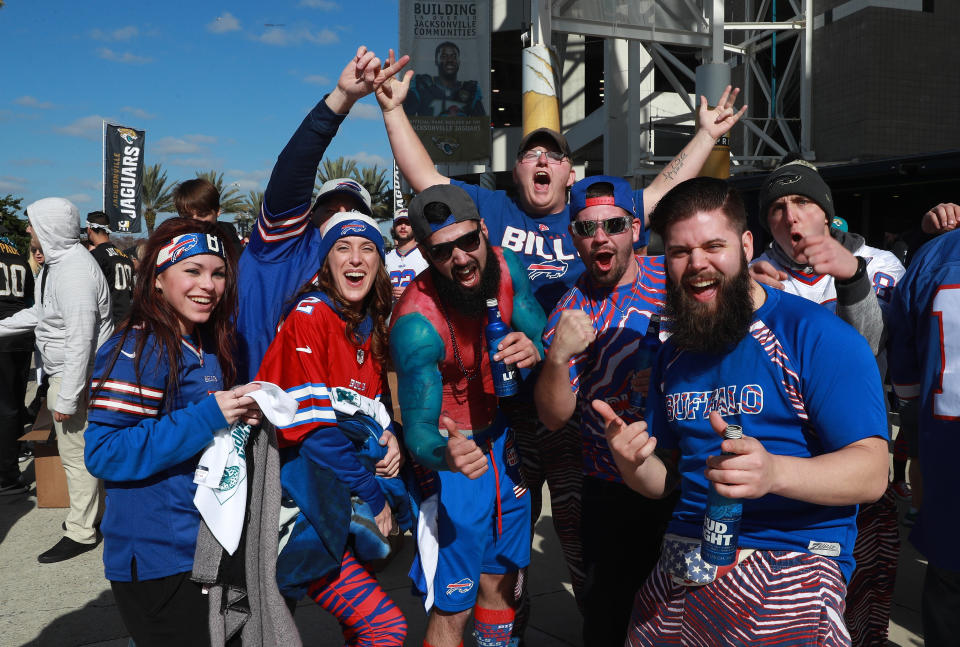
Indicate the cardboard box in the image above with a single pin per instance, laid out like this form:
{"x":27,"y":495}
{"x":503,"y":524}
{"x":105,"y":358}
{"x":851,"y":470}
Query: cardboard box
{"x":51,"y":478}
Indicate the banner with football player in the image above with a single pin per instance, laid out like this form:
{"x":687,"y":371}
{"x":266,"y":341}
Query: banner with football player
{"x":449,"y":99}
{"x":122,"y":176}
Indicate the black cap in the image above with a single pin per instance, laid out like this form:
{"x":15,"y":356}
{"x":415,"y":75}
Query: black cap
{"x":798,"y":177}
{"x":459,"y":207}
{"x":541,"y":133}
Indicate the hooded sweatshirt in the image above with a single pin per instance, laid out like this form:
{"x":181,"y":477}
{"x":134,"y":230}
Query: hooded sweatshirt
{"x":71,"y":312}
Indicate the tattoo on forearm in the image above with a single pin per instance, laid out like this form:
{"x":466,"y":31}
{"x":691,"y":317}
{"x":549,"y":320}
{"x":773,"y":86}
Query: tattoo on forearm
{"x":671,"y":171}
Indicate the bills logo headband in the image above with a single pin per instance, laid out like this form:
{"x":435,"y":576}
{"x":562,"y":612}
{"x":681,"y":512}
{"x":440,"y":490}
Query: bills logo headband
{"x":185,"y":246}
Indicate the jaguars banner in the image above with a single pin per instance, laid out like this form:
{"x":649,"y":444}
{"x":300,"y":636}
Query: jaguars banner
{"x":122,"y":176}
{"x":449,"y":99}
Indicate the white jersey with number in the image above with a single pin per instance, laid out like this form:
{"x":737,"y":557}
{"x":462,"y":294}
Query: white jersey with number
{"x":404,"y":267}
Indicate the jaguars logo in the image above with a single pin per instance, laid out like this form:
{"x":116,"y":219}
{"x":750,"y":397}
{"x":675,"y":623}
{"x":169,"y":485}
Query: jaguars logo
{"x":127,"y":135}
{"x":446,"y":145}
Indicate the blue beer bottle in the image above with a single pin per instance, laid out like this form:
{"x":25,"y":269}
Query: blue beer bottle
{"x":504,"y":375}
{"x":721,"y":523}
{"x":649,"y":346}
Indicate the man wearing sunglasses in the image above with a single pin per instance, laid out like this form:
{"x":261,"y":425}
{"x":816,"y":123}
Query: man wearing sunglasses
{"x":593,"y":339}
{"x":476,"y":501}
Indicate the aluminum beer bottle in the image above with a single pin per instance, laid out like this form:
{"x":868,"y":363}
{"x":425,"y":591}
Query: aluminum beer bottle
{"x":505,"y":381}
{"x":644,"y":359}
{"x":721,"y":523}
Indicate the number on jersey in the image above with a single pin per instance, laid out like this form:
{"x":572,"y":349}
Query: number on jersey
{"x":946,"y":312}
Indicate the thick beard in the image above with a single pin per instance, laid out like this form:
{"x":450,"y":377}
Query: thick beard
{"x":470,"y":303}
{"x":695,"y":328}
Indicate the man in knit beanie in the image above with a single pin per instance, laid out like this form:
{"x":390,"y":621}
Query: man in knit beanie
{"x":838,"y":270}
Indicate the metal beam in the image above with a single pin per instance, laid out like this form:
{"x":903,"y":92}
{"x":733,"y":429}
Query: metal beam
{"x":631,"y":32}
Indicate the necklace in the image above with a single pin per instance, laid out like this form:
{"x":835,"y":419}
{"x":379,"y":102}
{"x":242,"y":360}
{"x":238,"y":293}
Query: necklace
{"x":469,"y":375}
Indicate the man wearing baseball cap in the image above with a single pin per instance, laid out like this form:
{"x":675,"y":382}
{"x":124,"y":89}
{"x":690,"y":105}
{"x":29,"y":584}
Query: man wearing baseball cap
{"x":829,"y":265}
{"x":282,"y":253}
{"x":476,"y":501}
{"x":404,"y":261}
{"x":600,"y":341}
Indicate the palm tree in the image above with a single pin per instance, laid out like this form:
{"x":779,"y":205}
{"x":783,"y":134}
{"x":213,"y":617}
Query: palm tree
{"x":230,"y":199}
{"x":334,"y":169}
{"x":251,"y":209}
{"x":156,"y":197}
{"x":374,"y":180}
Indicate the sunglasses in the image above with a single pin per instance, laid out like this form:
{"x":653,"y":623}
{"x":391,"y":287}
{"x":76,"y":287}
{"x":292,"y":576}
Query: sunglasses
{"x":588,"y":228}
{"x":443,"y":251}
{"x":533,"y":157}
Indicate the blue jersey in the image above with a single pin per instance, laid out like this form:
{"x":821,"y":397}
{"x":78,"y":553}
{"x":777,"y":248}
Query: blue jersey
{"x":543,"y":243}
{"x":282,"y":253}
{"x":144,"y":443}
{"x":784,"y":385}
{"x":924,"y":359}
{"x":605,"y":370}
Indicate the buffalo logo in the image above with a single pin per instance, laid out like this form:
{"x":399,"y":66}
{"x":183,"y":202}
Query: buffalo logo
{"x":547,"y":269}
{"x":543,"y":227}
{"x":349,"y":184}
{"x":181,"y":247}
{"x":784,"y":180}
{"x":446,"y":145}
{"x":127,"y":135}
{"x":352,"y":228}
{"x":460,"y":588}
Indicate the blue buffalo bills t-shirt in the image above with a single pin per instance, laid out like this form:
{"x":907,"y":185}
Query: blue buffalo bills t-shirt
{"x":802,"y":382}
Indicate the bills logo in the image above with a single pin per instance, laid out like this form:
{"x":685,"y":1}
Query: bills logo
{"x":547,"y":269}
{"x":352,"y":229}
{"x":127,"y":135}
{"x":543,"y":227}
{"x":349,"y":184}
{"x":460,"y":588}
{"x":181,"y":247}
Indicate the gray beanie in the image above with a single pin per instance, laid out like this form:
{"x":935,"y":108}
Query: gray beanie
{"x":798,"y":177}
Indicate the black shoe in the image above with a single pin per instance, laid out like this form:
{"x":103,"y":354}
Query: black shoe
{"x":65,"y":549}
{"x":13,"y":486}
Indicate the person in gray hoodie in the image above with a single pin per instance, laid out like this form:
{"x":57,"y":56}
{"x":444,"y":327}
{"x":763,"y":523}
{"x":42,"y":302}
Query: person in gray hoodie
{"x":70,"y":319}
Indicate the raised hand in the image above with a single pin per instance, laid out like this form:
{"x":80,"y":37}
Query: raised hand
{"x":826,"y":256}
{"x":718,"y":121}
{"x":764,"y":272}
{"x":943,"y":217}
{"x":573,"y":334}
{"x":630,"y":445}
{"x":391,"y":92}
{"x":462,"y":454}
{"x":748,"y":473}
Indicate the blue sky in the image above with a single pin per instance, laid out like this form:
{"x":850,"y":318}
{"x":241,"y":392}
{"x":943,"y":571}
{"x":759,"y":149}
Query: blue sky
{"x":216,"y":86}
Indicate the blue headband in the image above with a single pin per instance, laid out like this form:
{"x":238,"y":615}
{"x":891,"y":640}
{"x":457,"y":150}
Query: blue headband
{"x":187,"y":245}
{"x":350,"y":223}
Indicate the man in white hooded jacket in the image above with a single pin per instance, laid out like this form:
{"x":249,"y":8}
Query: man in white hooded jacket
{"x":70,"y":319}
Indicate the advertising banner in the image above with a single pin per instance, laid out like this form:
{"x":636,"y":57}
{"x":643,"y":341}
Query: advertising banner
{"x":122,"y":176}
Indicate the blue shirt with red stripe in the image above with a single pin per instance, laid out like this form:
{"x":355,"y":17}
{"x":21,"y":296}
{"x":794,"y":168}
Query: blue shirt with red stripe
{"x":145,"y":443}
{"x":605,"y":370}
{"x":924,"y":356}
{"x":786,"y":385}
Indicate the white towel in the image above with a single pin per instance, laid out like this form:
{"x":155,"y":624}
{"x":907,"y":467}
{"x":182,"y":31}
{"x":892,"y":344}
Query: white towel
{"x":221,"y":474}
{"x":428,"y":545}
{"x":348,"y":401}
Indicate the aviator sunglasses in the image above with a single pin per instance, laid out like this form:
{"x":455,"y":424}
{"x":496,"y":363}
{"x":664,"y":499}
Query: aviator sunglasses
{"x":468,"y":242}
{"x":588,"y":228}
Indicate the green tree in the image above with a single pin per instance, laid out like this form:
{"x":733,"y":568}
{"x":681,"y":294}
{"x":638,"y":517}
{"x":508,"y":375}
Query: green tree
{"x":374,"y":180}
{"x":251,"y":210}
{"x":10,"y":208}
{"x":156,"y":196}
{"x":334,"y":169}
{"x":230,"y":199}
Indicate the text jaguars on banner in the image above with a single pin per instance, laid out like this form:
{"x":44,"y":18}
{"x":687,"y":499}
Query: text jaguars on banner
{"x":449,"y":99}
{"x":122,"y":176}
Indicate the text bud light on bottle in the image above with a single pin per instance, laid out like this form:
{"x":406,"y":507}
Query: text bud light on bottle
{"x":721,"y":522}
{"x":504,"y":375}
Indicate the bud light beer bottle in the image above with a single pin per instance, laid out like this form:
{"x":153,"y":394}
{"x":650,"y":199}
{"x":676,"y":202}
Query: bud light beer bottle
{"x":644,"y":359}
{"x":721,"y":523}
{"x":504,"y":375}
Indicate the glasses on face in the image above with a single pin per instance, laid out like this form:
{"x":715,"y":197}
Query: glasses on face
{"x":468,"y":242}
{"x":533,"y":157}
{"x":588,"y":228}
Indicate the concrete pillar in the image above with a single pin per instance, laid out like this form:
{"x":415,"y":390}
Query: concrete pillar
{"x":616,"y":75}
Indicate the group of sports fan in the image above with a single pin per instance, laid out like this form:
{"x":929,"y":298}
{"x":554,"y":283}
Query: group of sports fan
{"x":632,"y":366}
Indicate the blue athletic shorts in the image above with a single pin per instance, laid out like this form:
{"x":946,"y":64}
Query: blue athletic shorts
{"x":473,"y":536}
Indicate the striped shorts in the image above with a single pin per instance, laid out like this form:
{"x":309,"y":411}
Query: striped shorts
{"x":771,"y":598}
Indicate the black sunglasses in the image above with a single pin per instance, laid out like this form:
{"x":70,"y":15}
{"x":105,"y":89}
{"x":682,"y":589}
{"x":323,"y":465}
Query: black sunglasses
{"x":588,"y":228}
{"x":468,"y":243}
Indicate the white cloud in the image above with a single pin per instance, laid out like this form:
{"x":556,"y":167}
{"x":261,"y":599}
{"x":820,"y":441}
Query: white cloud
{"x":137,"y":112}
{"x":224,"y":23}
{"x":87,"y":127}
{"x":197,"y":163}
{"x":32,"y":102}
{"x":12,"y":184}
{"x":123,"y":33}
{"x":255,"y":180}
{"x":364,"y":111}
{"x":323,"y":5}
{"x":316,"y":79}
{"x":282,"y":37}
{"x":78,"y":198}
{"x":371,"y":159}
{"x":121,"y":57}
{"x":188,"y":144}
{"x":32,"y":161}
